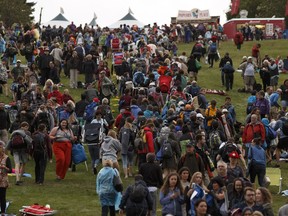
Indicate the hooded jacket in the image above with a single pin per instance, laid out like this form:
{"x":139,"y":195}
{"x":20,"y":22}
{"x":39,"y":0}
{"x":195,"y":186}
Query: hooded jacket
{"x":109,"y":148}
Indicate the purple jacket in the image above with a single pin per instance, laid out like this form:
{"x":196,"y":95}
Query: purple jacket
{"x":263,"y":105}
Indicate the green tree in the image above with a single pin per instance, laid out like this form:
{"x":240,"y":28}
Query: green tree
{"x":16,"y":11}
{"x":261,"y":9}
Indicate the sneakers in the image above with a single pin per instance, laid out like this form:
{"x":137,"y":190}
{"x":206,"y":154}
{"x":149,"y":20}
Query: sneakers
{"x":18,"y":183}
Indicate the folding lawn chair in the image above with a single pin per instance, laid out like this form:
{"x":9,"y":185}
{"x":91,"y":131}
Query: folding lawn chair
{"x":275,"y":177}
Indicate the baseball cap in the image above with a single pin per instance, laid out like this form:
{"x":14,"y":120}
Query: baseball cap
{"x":234,"y":154}
{"x":224,"y":111}
{"x":18,"y":61}
{"x":199,"y":115}
{"x":96,"y":100}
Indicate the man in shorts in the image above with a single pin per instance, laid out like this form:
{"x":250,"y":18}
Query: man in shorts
{"x":20,"y":152}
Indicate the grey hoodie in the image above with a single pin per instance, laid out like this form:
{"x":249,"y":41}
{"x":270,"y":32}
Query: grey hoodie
{"x":109,"y":148}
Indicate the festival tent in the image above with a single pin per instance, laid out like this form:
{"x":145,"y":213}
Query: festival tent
{"x":59,"y":20}
{"x":93,"y":21}
{"x":129,"y":19}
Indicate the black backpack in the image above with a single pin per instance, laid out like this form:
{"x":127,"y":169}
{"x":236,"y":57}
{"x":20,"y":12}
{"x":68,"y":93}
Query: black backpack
{"x":93,"y":132}
{"x":138,"y":193}
{"x":228,"y":148}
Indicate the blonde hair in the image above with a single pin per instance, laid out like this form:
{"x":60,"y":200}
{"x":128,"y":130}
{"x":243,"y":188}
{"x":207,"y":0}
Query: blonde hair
{"x":112,"y":133}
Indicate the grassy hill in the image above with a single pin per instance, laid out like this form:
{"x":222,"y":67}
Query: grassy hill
{"x":76,"y":194}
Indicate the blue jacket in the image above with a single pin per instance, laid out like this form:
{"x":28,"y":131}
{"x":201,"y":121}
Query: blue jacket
{"x":135,"y":110}
{"x":104,"y":186}
{"x":274,"y":99}
{"x":171,"y":206}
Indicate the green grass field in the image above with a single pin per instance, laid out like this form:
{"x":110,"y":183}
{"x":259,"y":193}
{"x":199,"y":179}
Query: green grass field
{"x":76,"y":194}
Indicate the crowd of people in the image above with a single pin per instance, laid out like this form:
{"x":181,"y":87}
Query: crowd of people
{"x":191,"y":154}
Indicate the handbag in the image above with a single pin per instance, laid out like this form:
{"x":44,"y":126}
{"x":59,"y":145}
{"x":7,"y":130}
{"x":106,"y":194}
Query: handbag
{"x":78,"y":153}
{"x":198,"y":65}
{"x":117,"y":182}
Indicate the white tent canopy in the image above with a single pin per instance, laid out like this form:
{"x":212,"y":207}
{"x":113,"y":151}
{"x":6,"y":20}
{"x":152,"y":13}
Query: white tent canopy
{"x":129,"y":19}
{"x":59,"y":20}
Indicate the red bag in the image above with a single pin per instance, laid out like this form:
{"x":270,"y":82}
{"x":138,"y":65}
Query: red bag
{"x":115,"y":44}
{"x":37,"y":209}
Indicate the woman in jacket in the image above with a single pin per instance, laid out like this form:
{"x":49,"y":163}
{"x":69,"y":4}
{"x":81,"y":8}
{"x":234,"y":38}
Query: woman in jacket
{"x":171,"y":195}
{"x":196,"y":184}
{"x":110,"y":147}
{"x":126,"y":137}
{"x":257,"y":161}
{"x":105,"y":188}
{"x":5,"y":168}
{"x":263,"y":198}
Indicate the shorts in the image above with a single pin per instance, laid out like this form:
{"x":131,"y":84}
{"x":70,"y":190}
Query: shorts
{"x":249,"y":80}
{"x":20,"y":156}
{"x":274,"y":80}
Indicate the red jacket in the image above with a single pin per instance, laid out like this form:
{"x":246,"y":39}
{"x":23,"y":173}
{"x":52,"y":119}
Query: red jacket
{"x":56,"y":94}
{"x":250,"y":130}
{"x":149,"y":140}
{"x":119,"y":117}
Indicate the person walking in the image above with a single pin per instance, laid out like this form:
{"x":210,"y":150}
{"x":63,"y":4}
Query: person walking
{"x":228,"y":71}
{"x":105,"y":188}
{"x":5,"y":168}
{"x":73,"y":65}
{"x":42,"y":151}
{"x":62,"y":138}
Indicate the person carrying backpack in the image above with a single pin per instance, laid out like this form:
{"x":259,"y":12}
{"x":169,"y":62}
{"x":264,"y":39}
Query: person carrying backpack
{"x":126,"y":138}
{"x":212,"y":52}
{"x":147,"y":140}
{"x":19,"y":145}
{"x":42,"y":151}
{"x":227,"y":148}
{"x":136,"y":199}
{"x":169,"y":151}
{"x":90,"y":110}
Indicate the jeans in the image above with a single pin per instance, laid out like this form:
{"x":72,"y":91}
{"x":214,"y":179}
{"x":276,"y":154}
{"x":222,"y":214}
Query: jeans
{"x":154,"y":198}
{"x":40,"y":159}
{"x":94,"y":151}
{"x":229,"y":77}
{"x":258,"y":170}
{"x":106,"y":209}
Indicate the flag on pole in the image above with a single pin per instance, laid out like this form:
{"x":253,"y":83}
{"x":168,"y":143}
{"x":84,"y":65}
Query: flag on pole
{"x":130,"y":11}
{"x":61,"y":10}
{"x":286,"y":9}
{"x":235,"y":7}
{"x":95,"y":16}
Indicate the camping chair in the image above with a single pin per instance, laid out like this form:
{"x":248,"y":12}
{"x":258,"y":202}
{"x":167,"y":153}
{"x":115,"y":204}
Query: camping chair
{"x":275,"y":177}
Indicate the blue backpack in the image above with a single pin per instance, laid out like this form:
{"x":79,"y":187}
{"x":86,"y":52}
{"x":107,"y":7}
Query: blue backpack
{"x":213,"y":48}
{"x":90,"y":111}
{"x":138,"y":78}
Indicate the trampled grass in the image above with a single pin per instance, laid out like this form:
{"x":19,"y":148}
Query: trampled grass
{"x":76,"y":195}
